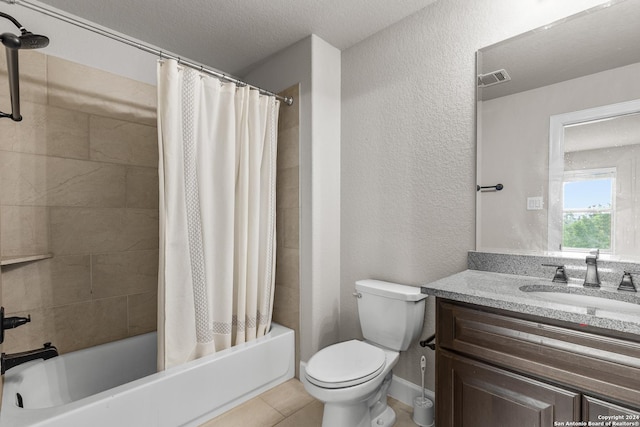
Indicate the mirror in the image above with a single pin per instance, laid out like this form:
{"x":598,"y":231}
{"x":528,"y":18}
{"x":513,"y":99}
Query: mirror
{"x":558,"y":112}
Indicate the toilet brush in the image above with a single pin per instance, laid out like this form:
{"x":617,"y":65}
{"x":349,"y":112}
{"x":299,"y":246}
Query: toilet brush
{"x":423,"y":366}
{"x":423,"y":407}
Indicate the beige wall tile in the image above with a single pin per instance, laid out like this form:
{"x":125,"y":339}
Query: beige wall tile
{"x":90,"y":323}
{"x":118,"y":141}
{"x":143,"y":313}
{"x":290,"y":115}
{"x":47,"y":130}
{"x":288,"y":179}
{"x":285,"y":307}
{"x":142,"y":187}
{"x":33,"y":79}
{"x":291,"y":228}
{"x":54,"y":199}
{"x":25,"y":230}
{"x":47,"y":283}
{"x":141,"y":225}
{"x":71,"y":327}
{"x":288,"y":198}
{"x":29,"y":179}
{"x":95,"y":230}
{"x":288,"y":148}
{"x":76,"y":86}
{"x":288,"y":267}
{"x":124,"y":273}
{"x":279,"y":229}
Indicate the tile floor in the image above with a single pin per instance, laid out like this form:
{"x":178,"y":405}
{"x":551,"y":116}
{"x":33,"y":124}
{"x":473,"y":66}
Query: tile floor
{"x":289,"y":405}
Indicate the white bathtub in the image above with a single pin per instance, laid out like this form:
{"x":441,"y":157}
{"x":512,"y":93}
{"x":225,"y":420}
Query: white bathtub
{"x":116,"y":384}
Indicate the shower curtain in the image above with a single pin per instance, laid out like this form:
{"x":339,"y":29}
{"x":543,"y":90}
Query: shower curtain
{"x":217,"y":145}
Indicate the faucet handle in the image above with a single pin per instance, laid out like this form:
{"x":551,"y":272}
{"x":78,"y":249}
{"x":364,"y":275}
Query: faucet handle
{"x":595,"y":253}
{"x":10,"y":323}
{"x":626,"y":284}
{"x":561,"y":274}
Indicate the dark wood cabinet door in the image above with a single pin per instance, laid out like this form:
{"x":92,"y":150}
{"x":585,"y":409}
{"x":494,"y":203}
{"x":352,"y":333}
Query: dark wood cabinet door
{"x":594,"y":409}
{"x":474,"y":394}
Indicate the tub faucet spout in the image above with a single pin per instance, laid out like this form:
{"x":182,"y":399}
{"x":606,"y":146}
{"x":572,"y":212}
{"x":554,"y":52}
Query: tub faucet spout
{"x":11,"y":360}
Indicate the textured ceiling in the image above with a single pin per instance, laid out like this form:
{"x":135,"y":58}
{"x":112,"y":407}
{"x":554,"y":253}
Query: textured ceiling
{"x":231,"y":35}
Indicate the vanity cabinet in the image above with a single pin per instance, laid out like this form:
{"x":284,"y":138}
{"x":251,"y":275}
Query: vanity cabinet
{"x":503,"y":369}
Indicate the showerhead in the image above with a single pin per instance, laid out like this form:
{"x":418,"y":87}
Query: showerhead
{"x":11,"y":42}
{"x":28,"y":40}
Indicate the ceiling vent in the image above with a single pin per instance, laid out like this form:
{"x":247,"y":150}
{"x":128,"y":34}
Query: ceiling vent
{"x":493,"y":78}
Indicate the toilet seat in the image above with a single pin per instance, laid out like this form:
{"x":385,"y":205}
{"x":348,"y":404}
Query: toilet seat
{"x":345,"y":364}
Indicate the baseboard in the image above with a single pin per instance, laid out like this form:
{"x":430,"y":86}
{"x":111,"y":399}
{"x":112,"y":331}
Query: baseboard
{"x":406,"y":391}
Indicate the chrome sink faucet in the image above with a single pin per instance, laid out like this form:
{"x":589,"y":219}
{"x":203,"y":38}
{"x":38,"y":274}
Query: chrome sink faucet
{"x":592,"y":280}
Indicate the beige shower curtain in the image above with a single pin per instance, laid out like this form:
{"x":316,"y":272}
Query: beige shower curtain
{"x":217,"y":169}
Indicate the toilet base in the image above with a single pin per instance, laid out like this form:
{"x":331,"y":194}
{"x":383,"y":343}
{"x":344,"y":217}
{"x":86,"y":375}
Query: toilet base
{"x":386,"y":419}
{"x":355,"y":415}
{"x":370,"y":412}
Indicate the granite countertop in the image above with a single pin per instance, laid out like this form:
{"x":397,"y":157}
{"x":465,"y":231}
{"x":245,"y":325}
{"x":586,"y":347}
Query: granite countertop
{"x":503,"y":291}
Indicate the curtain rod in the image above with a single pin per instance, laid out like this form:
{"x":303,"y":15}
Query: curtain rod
{"x":143,"y":47}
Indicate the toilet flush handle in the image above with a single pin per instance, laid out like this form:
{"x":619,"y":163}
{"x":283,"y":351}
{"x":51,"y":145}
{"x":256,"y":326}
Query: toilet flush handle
{"x":357,"y":294}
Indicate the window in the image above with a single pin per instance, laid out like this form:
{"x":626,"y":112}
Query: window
{"x":588,"y":209}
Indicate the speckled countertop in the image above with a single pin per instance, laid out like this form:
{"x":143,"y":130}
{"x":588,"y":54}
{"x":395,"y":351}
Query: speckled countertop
{"x":509,"y":292}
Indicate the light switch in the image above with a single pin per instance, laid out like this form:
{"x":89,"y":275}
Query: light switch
{"x":534,"y":203}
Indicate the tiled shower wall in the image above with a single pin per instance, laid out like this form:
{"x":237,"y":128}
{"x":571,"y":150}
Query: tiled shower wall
{"x":286,"y":307}
{"x":78,"y":179}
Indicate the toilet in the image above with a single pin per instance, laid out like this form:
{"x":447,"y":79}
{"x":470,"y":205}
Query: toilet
{"x":352,"y":377}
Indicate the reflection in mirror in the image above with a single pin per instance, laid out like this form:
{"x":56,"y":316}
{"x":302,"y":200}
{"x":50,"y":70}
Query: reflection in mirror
{"x":586,"y":63}
{"x":594,"y":189}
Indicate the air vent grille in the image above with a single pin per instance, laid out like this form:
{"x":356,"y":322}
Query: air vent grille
{"x":493,"y":78}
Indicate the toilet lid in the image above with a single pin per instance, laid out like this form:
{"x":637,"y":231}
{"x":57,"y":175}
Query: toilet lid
{"x":345,"y":364}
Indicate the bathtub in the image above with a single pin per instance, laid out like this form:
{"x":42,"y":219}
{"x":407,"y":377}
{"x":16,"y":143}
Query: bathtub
{"x":116,"y":384}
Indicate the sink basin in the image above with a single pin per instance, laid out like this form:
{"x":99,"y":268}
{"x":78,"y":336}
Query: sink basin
{"x":576,"y":297}
{"x":588,"y":301}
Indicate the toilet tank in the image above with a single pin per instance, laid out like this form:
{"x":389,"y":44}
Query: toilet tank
{"x":391,"y":314}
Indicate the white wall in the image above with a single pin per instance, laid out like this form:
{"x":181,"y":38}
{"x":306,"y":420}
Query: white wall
{"x":408,"y":146}
{"x":316,"y":66}
{"x":75,"y":44}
